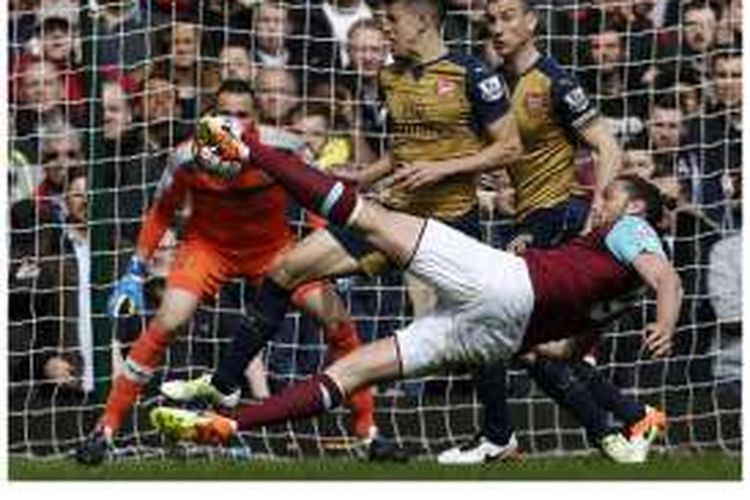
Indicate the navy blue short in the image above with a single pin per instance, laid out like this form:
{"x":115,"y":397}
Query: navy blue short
{"x":550,"y":227}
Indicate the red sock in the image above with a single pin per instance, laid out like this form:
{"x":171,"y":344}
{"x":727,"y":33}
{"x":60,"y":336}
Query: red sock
{"x":363,"y":412}
{"x":313,"y":189}
{"x":144,"y":357}
{"x":343,"y":339}
{"x":301,"y":400}
{"x":121,"y":399}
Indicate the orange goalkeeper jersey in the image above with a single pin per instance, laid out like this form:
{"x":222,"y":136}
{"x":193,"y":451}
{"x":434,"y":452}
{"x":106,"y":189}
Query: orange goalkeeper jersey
{"x":245,"y":215}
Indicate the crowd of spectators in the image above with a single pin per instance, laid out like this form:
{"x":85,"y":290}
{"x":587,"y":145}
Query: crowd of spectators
{"x":107,"y":88}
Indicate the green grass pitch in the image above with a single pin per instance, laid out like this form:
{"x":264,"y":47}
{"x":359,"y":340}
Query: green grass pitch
{"x":701,"y":466}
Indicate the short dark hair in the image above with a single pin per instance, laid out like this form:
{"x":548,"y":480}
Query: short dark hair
{"x":525,"y":5}
{"x":437,"y":7}
{"x":724,"y":52}
{"x":666,"y":101}
{"x":235,"y":86}
{"x":52,"y":23}
{"x":322,"y":99}
{"x":695,"y":5}
{"x":665,"y":83}
{"x":639,"y":142}
{"x":158,"y":71}
{"x":237,"y":40}
{"x":364,"y":24}
{"x":639,"y":188}
{"x":316,"y":108}
{"x":73,"y":174}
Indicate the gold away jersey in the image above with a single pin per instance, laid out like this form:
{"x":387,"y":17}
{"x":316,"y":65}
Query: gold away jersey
{"x":438,"y":111}
{"x":550,"y":108}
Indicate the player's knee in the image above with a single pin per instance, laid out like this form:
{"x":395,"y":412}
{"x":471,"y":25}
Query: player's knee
{"x":371,"y":216}
{"x":342,"y":340}
{"x":348,"y":378}
{"x":335,"y":319}
{"x":170,"y":320}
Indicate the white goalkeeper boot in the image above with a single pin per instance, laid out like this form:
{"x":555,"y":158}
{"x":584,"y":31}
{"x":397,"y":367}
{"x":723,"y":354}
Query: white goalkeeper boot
{"x":623,"y":451}
{"x":479,"y":450}
{"x":186,"y":391}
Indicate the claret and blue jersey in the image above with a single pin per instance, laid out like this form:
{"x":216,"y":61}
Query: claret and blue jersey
{"x":574,"y":281}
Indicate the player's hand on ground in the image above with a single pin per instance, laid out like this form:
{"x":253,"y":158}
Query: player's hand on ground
{"x":417,"y":175}
{"x":127,"y":297}
{"x":658,"y":339}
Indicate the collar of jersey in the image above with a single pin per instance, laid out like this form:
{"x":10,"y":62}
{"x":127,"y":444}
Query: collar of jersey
{"x":537,"y":61}
{"x":417,"y":69}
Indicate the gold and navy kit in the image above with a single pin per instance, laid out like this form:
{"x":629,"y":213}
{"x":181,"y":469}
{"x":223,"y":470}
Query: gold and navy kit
{"x":438,"y":111}
{"x":550,"y":108}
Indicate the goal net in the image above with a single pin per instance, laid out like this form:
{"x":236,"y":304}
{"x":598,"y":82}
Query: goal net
{"x":110,"y":87}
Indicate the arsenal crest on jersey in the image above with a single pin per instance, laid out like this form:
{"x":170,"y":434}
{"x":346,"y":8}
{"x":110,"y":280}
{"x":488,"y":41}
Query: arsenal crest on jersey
{"x":536,"y":102}
{"x":445,"y":86}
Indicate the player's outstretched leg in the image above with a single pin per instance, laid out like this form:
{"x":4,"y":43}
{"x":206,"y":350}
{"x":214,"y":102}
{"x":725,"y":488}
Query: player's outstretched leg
{"x":367,"y":365}
{"x":395,"y":234}
{"x":270,"y":307}
{"x":340,"y":334}
{"x":320,"y":301}
{"x":143,"y":359}
{"x":316,"y":299}
{"x":316,"y":256}
{"x":644,"y":423}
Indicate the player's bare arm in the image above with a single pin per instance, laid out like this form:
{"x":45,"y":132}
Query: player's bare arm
{"x":157,"y":222}
{"x":659,"y":274}
{"x":369,"y":174}
{"x":598,"y":136}
{"x":128,"y":296}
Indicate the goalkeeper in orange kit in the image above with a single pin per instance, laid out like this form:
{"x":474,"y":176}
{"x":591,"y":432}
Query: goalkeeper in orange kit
{"x":237,"y":227}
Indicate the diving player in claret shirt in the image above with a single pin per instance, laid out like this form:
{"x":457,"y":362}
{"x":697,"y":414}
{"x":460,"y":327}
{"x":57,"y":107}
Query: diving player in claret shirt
{"x":237,"y":227}
{"x":448,"y":118}
{"x":492,"y":304}
{"x":555,"y":117}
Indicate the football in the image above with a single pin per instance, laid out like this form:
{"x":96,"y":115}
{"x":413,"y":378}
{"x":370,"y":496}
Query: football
{"x":209,"y":159}
{"x":216,"y":145}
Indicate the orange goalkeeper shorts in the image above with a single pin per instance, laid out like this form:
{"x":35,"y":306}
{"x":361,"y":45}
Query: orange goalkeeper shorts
{"x":202,"y":268}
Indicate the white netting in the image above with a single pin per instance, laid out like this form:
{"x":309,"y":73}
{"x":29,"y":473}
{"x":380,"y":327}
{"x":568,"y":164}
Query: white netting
{"x":125,"y":85}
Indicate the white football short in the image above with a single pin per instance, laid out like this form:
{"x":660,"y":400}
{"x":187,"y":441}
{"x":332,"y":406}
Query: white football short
{"x":485,"y":299}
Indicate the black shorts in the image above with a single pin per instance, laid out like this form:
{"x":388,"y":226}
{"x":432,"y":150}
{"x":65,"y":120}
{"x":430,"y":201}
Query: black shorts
{"x":550,"y":227}
{"x":373,"y":262}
